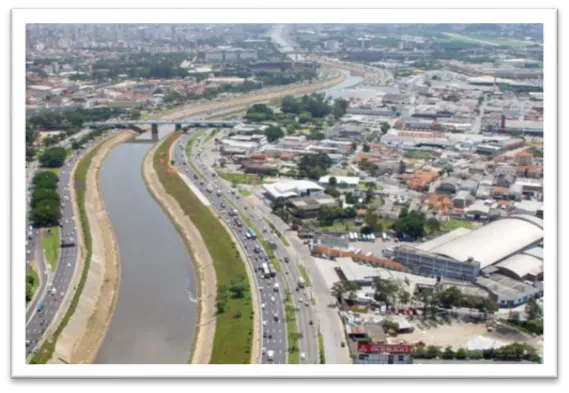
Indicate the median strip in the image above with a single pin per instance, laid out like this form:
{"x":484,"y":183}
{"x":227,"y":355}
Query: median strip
{"x":321,"y":348}
{"x":279,"y":234}
{"x":234,"y":318}
{"x":293,"y":335}
{"x":304,"y":275}
{"x":50,"y":243}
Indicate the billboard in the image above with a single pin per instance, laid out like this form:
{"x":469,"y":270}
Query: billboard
{"x":383,"y":348}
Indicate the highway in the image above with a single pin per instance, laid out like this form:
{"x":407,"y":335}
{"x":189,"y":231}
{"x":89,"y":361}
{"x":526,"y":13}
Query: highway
{"x":273,"y":331}
{"x":57,"y":284}
{"x":301,"y":297}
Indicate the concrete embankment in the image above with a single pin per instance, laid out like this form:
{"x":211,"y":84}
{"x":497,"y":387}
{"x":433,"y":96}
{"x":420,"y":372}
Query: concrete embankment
{"x":81,"y":338}
{"x":205,"y":272}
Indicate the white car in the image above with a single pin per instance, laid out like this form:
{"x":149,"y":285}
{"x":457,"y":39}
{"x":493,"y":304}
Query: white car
{"x":264,"y":323}
{"x":302,"y":356}
{"x":272,"y":299}
{"x":263,"y":306}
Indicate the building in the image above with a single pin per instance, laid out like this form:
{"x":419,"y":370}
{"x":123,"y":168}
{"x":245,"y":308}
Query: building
{"x":372,"y":353}
{"x":508,"y":292}
{"x":293,"y":188}
{"x":462,"y":199}
{"x":308,"y":206}
{"x":461,"y":254}
{"x":229,"y":54}
{"x":341,"y":181}
{"x":448,"y":185}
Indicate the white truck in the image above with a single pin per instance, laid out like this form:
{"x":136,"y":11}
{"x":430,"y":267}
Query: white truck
{"x":301,"y":282}
{"x":270,"y":355}
{"x":276,"y":287}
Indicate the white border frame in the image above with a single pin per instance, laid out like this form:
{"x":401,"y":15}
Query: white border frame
{"x":548,"y":17}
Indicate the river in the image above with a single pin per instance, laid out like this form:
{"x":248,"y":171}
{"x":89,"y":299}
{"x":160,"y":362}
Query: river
{"x":156,"y":310}
{"x":155,"y":313}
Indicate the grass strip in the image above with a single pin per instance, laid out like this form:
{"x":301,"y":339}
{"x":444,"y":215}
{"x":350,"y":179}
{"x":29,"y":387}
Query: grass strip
{"x":211,"y":135}
{"x":244,"y":193}
{"x":234,"y":327}
{"x":313,"y":301}
{"x":50,"y":244}
{"x":239,"y":178}
{"x":321,"y":348}
{"x":188,"y":149}
{"x":33,"y":279}
{"x":279,"y":234}
{"x":46,"y":351}
{"x":290,"y":317}
{"x":304,"y":275}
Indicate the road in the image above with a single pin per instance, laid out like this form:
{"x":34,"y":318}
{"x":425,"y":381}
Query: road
{"x":57,"y":284}
{"x":274,"y":331}
{"x":301,"y":297}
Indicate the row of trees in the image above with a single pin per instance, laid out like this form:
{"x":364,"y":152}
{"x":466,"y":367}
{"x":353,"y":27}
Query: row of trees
{"x":30,"y":285}
{"x":314,"y":166}
{"x":315,"y":105}
{"x":413,"y":224}
{"x":54,"y":157}
{"x":45,"y":200}
{"x":237,"y":290}
{"x":328,"y":214}
{"x":514,"y":351}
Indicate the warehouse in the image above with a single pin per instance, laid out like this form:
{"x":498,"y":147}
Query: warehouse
{"x":461,"y":253}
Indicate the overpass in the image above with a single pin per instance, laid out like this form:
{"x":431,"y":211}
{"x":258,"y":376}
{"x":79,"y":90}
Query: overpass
{"x":179,"y":124}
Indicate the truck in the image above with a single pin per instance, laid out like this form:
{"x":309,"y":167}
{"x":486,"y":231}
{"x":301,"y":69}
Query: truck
{"x":301,"y":283}
{"x":276,"y":287}
{"x":209,"y":189}
{"x":270,"y":355}
{"x":218,"y":193}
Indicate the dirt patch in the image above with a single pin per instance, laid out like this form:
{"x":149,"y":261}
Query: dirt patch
{"x":203,"y":265}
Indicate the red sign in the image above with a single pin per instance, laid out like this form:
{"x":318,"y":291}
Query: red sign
{"x":383,"y":348}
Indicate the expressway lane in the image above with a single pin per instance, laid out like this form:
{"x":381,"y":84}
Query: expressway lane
{"x":308,"y":344}
{"x":274,"y":335}
{"x":57,"y":283}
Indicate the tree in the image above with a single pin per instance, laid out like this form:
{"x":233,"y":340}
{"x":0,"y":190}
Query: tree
{"x":305,"y":117}
{"x":53,"y":157}
{"x":339,"y":108}
{"x":135,"y":114}
{"x":451,"y":297}
{"x":75,"y":145}
{"x":434,"y":224}
{"x":354,"y":146}
{"x":461,"y":354}
{"x":448,"y":353}
{"x":372,"y":222}
{"x":433,"y":352}
{"x":404,"y":296}
{"x":46,"y":214}
{"x":385,"y":291}
{"x":533,"y":310}
{"x":385,"y":126}
{"x":332,"y":191}
{"x":402,"y":166}
{"x":366,"y":148}
{"x":332,"y":181}
{"x":45,"y":179}
{"x":44,"y":194}
{"x":273,"y":133}
{"x":338,"y":290}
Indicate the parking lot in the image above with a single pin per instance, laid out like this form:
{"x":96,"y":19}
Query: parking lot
{"x":376,"y":247}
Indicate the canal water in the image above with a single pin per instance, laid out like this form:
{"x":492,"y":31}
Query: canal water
{"x":156,"y":308}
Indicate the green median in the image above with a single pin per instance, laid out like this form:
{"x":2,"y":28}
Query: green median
{"x":45,"y":353}
{"x":304,"y":275}
{"x":290,"y":316}
{"x":234,"y":318}
{"x":50,"y":241}
{"x":279,"y":234}
{"x":321,"y":348}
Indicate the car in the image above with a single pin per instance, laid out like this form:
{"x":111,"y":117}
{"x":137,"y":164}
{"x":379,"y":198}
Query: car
{"x":310,"y":322}
{"x":306,"y":303}
{"x":263,"y":306}
{"x":302,"y":356}
{"x":270,"y":335}
{"x":343,"y":344}
{"x":264,"y":350}
{"x":272,"y":299}
{"x":286,"y":259}
{"x":265,"y":335}
{"x":264,"y":323}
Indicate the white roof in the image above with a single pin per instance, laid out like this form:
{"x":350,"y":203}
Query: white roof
{"x":495,"y":241}
{"x":291,"y":188}
{"x":522,"y":264}
{"x":450,"y":236}
{"x":350,"y":180}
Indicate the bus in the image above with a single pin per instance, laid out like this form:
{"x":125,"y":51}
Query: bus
{"x":252,"y":233}
{"x":272,"y":272}
{"x":265,"y":269}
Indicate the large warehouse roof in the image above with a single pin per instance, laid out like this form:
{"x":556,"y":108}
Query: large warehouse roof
{"x":495,"y":241}
{"x":291,"y":188}
{"x":521,"y":265}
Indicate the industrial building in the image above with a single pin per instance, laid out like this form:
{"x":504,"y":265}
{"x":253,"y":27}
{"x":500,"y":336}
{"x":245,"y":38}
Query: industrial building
{"x":462,"y":254}
{"x":294,"y":188}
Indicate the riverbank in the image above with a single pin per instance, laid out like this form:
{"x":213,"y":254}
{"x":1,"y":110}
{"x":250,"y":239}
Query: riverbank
{"x":194,"y":109}
{"x":80,"y":340}
{"x":200,"y":352}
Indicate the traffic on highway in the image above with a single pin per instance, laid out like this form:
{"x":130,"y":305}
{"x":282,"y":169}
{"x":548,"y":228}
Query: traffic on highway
{"x":270,"y":287}
{"x":48,"y":301}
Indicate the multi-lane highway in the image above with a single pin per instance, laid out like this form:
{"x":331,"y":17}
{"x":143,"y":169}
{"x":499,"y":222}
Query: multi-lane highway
{"x":273,"y":318}
{"x":307,"y":324}
{"x":57,"y":285}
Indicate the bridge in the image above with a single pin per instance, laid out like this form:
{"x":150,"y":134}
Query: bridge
{"x":179,"y":124}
